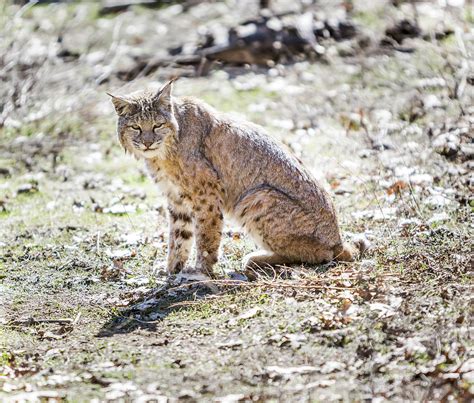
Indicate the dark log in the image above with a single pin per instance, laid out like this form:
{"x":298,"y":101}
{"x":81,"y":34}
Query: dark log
{"x":117,"y":6}
{"x":263,"y":45}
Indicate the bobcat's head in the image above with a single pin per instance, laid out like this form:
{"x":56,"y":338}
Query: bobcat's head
{"x":146,"y":123}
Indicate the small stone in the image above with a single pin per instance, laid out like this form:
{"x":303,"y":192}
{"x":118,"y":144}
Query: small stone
{"x":5,"y":171}
{"x":120,"y":209}
{"x":421,"y":179}
{"x":447,"y":144}
{"x":437,"y":200}
{"x":27,"y":188}
{"x":405,"y":222}
{"x":236,"y":276}
{"x":431,"y":101}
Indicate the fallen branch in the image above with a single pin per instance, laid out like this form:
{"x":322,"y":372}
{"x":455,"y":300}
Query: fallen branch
{"x":252,"y":42}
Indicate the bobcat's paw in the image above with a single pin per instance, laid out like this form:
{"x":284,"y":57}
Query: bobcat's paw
{"x":191,"y":274}
{"x":361,"y":242}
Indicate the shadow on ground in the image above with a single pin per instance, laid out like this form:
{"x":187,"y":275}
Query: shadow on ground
{"x":153,"y":307}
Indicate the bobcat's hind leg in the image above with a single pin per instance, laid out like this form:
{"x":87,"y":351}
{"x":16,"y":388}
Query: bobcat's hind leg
{"x":292,"y":232}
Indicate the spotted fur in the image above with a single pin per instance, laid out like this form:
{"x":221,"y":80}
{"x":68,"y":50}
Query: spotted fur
{"x":207,"y":164}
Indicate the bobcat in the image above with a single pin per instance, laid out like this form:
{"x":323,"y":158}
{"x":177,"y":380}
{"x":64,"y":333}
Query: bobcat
{"x":209,"y":164}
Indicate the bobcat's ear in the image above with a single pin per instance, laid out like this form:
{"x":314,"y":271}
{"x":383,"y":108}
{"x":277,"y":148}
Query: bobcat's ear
{"x":122,"y":105}
{"x":164,"y":94}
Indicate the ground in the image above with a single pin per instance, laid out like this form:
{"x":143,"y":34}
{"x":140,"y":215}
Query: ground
{"x":388,"y":131}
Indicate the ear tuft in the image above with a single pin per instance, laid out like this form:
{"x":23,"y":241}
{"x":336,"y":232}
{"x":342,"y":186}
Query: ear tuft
{"x":122,"y":105}
{"x":165,"y":92}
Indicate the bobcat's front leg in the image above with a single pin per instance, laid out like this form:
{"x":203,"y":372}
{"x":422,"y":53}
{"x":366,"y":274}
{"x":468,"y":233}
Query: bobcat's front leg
{"x":180,"y":238}
{"x":208,"y":222}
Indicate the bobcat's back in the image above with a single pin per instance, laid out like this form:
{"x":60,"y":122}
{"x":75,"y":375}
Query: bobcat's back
{"x":247,"y":159}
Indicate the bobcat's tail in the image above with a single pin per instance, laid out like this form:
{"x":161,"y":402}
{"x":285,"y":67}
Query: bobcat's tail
{"x":350,"y":251}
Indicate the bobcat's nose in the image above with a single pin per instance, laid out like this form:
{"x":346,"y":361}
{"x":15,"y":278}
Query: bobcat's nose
{"x":148,"y":143}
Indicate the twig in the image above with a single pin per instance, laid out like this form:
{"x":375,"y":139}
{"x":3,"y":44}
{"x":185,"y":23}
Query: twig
{"x":309,"y":287}
{"x":464,"y":70}
{"x":415,"y":13}
{"x":413,"y":197}
{"x":76,"y":320}
{"x":32,"y":321}
{"x":24,"y":9}
{"x":98,"y":243}
{"x":185,"y":303}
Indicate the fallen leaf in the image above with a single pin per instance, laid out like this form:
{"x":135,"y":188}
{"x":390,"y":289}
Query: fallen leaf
{"x":397,"y":187}
{"x":113,"y":272}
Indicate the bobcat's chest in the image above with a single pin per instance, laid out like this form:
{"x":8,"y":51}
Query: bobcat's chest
{"x":169,"y":187}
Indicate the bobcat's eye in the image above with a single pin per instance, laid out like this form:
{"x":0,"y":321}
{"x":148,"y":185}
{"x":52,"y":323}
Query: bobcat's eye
{"x":156,"y":127}
{"x":137,"y":128}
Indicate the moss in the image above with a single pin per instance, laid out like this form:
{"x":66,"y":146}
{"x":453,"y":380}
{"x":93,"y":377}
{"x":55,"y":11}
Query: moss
{"x":469,"y":14}
{"x":375,"y":19}
{"x":238,"y":101}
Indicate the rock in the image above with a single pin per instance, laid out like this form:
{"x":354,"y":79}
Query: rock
{"x":383,"y":214}
{"x":467,"y":151}
{"x":5,"y":171}
{"x":421,"y":179}
{"x":431,"y":101}
{"x":368,"y":264}
{"x":437,"y":200}
{"x":232,"y":398}
{"x":413,"y":346}
{"x":383,"y":310}
{"x":332,"y":366}
{"x":236,"y":276}
{"x":434,"y":82}
{"x":403,"y":171}
{"x":402,"y":30}
{"x":28,"y":188}
{"x":137,"y":281}
{"x":469,"y":166}
{"x":447,"y":144}
{"x":251,"y":313}
{"x":132,"y":238}
{"x":120,"y":209}
{"x":405,"y":222}
{"x":121,"y":254}
{"x":381,"y":116}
